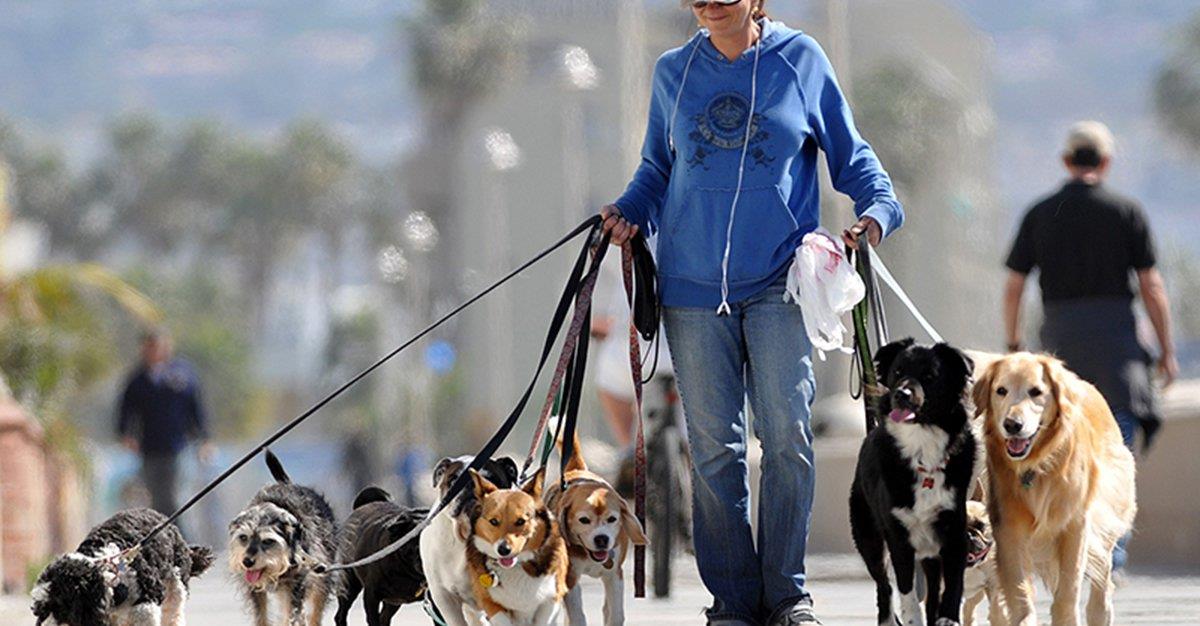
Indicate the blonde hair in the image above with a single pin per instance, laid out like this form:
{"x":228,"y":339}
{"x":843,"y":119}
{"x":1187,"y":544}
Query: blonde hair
{"x":760,"y":11}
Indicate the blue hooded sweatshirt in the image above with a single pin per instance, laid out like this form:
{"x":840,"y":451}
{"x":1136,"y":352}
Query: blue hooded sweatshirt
{"x":687,"y":183}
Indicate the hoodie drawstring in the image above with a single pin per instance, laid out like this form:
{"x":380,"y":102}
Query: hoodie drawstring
{"x":723,"y":309}
{"x":679,"y":94}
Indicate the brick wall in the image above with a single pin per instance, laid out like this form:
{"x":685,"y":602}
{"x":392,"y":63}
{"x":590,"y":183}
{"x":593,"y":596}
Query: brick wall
{"x":24,"y":496}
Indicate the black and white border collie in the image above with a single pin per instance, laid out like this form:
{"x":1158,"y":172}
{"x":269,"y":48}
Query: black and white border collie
{"x":915,"y":472}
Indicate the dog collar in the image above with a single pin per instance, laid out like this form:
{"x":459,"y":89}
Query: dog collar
{"x":928,"y":482}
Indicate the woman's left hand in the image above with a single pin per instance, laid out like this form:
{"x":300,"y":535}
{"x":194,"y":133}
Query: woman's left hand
{"x":868,"y":225}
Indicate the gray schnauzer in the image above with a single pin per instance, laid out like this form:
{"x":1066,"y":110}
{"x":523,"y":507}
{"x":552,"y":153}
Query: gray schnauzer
{"x":275,"y":543}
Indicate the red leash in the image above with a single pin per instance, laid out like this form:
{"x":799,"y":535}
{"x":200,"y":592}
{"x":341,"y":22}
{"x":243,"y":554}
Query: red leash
{"x":639,"y":458}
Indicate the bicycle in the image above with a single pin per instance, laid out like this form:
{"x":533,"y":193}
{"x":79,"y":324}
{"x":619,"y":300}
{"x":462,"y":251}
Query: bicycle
{"x":668,"y":479}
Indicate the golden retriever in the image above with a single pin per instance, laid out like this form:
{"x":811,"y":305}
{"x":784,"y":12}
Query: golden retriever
{"x":1060,"y":485}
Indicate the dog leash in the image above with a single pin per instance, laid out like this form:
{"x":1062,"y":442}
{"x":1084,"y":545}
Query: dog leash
{"x":590,"y":225}
{"x":571,"y":293}
{"x":635,"y":368}
{"x":870,"y":266}
{"x":869,"y":309}
{"x":569,"y":367}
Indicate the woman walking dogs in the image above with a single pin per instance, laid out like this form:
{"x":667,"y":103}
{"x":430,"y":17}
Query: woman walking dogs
{"x":728,"y":180}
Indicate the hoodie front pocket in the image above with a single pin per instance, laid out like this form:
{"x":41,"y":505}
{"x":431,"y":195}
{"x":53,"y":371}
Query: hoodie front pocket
{"x":696,"y":233}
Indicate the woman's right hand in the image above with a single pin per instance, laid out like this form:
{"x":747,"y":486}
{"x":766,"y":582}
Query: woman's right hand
{"x":619,"y":230}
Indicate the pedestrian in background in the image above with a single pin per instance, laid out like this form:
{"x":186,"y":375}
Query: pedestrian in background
{"x":1088,"y":242}
{"x":161,"y":412}
{"x":739,"y":116}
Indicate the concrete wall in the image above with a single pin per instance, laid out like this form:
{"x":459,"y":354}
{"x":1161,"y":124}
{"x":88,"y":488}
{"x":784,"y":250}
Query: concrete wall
{"x":1167,"y":532}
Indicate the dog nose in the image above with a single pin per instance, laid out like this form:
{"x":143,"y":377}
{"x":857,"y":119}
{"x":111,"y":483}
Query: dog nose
{"x":248,"y":562}
{"x":1012,"y":426}
{"x":601,"y":542}
{"x":503,"y":549}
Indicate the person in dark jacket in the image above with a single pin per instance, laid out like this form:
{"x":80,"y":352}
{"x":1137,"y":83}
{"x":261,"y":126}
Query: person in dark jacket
{"x":162,"y":412}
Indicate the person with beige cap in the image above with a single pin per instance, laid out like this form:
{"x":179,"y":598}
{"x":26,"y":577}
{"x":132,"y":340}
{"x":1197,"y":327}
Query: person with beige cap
{"x":1086,"y":240}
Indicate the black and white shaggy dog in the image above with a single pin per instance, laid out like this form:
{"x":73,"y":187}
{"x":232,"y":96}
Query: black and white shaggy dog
{"x":392,"y":582}
{"x":277,"y":541}
{"x":915,"y":472}
{"x":92,"y":586}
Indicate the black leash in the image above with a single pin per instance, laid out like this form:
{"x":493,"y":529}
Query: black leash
{"x":590,"y":225}
{"x":577,"y":291}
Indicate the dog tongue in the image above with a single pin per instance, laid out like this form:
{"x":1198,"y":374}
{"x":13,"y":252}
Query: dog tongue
{"x":1016,"y":445}
{"x":901,"y":415}
{"x":252,"y":575}
{"x":508,"y":561}
{"x":599,"y":556}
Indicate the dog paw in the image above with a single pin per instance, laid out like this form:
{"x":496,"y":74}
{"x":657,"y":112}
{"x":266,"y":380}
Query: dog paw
{"x":946,"y":621}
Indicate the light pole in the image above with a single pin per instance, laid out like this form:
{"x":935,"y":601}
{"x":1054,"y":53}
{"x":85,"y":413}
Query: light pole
{"x":503,"y":156}
{"x":579,"y":75}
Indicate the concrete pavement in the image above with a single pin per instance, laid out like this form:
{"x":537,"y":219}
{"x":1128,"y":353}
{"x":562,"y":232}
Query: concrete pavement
{"x":844,"y":596}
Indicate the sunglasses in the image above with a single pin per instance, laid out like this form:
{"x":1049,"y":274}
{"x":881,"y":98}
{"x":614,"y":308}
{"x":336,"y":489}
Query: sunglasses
{"x":700,"y":5}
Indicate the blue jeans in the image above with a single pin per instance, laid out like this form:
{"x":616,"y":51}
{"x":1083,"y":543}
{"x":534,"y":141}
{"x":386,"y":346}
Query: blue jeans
{"x":760,"y":350}
{"x":1128,"y":423}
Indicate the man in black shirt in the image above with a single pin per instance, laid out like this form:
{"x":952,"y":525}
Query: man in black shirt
{"x":1086,"y":241}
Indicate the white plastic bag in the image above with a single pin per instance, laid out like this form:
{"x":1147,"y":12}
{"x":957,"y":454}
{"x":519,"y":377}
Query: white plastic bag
{"x":822,"y":281}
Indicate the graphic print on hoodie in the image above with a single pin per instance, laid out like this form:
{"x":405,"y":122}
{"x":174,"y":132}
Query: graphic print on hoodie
{"x":688,"y":178}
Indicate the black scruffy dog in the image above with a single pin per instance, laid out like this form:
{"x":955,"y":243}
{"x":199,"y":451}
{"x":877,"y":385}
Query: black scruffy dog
{"x":915,"y":471}
{"x":94,"y":587}
{"x":388,"y":584}
{"x":275,"y":543}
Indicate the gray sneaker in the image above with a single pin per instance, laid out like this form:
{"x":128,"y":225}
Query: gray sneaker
{"x":799,"y":614}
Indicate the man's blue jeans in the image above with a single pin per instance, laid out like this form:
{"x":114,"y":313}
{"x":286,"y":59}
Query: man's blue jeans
{"x":1128,"y":423}
{"x":761,"y":351}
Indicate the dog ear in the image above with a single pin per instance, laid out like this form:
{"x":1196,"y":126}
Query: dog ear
{"x":508,"y":468}
{"x":956,"y":360}
{"x":981,"y":392}
{"x":483,"y":486}
{"x":444,"y":466}
{"x":632,"y":527}
{"x":1062,"y":387}
{"x":41,"y":600}
{"x":534,"y":485}
{"x":885,"y":356}
{"x":564,"y":517}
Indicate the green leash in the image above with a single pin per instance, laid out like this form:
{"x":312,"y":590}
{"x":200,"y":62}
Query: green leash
{"x":862,"y":339}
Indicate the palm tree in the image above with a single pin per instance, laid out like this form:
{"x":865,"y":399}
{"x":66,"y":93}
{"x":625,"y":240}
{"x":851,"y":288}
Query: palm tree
{"x":54,"y":340}
{"x":461,"y":54}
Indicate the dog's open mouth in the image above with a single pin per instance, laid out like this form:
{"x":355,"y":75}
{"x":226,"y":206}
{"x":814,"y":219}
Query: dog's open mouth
{"x":974,"y":558}
{"x":901,"y":415}
{"x":1018,"y":447}
{"x":598,"y":556}
{"x":507,"y":562}
{"x":253,"y":576}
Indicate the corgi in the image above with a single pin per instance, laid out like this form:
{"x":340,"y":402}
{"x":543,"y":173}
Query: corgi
{"x":516,"y":555}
